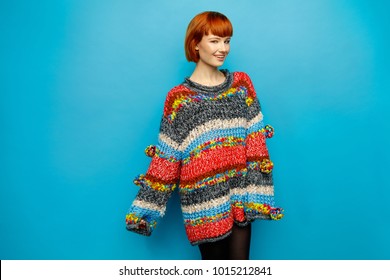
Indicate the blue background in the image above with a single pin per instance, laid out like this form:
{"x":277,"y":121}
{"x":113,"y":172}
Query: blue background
{"x":82,"y":88}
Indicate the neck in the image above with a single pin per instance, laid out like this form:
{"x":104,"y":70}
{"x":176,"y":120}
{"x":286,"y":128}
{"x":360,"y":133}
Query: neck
{"x":207,"y":75}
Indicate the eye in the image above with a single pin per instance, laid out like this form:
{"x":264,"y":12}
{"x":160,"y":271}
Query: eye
{"x":227,"y":41}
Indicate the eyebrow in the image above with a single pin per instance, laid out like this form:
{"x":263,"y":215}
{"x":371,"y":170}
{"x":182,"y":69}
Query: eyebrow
{"x":218,"y":37}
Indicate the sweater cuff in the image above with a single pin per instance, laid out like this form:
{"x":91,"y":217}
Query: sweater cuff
{"x":262,"y":210}
{"x":139,"y":225}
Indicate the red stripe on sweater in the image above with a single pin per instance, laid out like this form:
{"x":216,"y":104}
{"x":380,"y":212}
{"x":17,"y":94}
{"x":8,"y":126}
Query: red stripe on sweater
{"x":255,"y":145}
{"x":209,"y":230}
{"x":174,"y":94}
{"x":164,"y":169}
{"x":242,"y":79}
{"x":238,"y":214}
{"x":214,"y":159}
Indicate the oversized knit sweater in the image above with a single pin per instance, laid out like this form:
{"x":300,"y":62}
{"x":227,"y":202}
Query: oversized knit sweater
{"x":212,"y":146}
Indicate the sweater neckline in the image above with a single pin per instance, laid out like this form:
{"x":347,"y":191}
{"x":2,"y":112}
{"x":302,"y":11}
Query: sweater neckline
{"x":199,"y":88}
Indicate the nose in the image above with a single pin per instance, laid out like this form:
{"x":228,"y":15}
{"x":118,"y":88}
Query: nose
{"x":222,"y":47}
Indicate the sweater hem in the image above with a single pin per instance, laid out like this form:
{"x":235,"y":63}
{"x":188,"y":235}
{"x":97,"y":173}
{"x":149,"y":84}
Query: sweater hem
{"x":250,"y":219}
{"x":213,"y":239}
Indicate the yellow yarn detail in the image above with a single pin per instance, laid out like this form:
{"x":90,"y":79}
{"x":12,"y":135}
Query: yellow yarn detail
{"x":132,"y":219}
{"x":274,"y":213}
{"x":277,"y":217}
{"x":262,"y":208}
{"x":249,"y":101}
{"x":162,"y":187}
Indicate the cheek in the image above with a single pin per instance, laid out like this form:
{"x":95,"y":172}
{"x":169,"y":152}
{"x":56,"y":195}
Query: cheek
{"x":208,"y":50}
{"x":228,"y":48}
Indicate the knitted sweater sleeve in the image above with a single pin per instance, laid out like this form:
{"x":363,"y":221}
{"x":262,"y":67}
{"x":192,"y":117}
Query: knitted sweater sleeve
{"x":259,"y":179}
{"x":160,"y":180}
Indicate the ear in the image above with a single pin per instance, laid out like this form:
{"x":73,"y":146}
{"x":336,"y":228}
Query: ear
{"x":196,"y":48}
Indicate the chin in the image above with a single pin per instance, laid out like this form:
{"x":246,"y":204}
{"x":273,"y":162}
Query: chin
{"x":219,"y":64}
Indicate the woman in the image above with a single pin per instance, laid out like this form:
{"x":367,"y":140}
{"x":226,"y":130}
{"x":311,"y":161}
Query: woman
{"x":212,"y":146}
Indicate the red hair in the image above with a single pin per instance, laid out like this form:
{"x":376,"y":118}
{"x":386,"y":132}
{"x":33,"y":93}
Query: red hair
{"x":203,"y":24}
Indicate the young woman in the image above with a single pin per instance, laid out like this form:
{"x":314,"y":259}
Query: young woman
{"x":212,"y":146}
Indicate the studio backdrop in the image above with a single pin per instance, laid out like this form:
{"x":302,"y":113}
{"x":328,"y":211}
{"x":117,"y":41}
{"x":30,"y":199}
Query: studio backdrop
{"x":82,"y":87}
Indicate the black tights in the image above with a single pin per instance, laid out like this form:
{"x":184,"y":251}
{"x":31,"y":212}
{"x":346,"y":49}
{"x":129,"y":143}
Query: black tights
{"x":234,"y":247}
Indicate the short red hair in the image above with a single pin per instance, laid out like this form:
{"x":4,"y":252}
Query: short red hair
{"x":203,"y":24}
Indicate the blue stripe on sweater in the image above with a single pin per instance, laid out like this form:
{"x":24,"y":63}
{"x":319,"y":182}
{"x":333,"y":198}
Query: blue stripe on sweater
{"x":145,"y":212}
{"x":259,"y":198}
{"x":168,"y":150}
{"x":255,"y":127}
{"x":210,"y":212}
{"x":210,"y":135}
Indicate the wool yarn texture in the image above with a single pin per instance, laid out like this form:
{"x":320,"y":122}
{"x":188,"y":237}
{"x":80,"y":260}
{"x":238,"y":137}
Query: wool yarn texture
{"x":212,"y":149}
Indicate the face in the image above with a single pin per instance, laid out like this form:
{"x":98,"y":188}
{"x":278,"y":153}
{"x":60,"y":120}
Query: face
{"x":213,"y":50}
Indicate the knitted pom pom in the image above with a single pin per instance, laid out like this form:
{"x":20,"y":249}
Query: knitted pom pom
{"x":276,"y":213}
{"x":139,"y":180}
{"x":268,"y":131}
{"x":150,"y":150}
{"x":266,"y":166}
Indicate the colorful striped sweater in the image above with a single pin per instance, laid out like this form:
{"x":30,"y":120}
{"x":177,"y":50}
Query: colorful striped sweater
{"x":212,"y":147}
